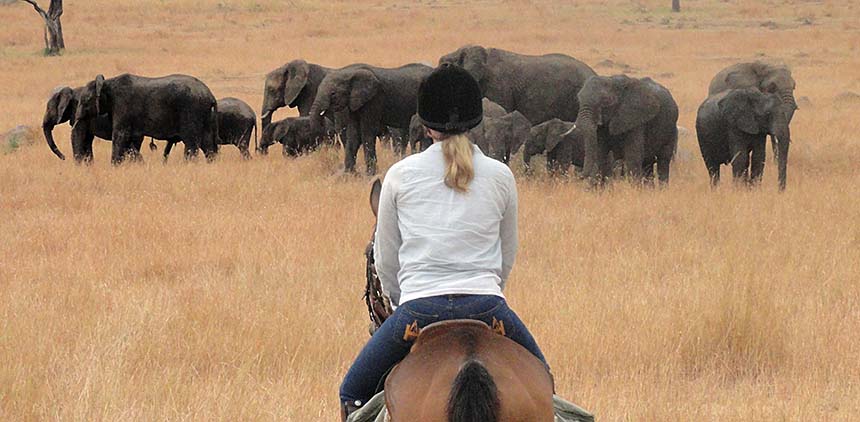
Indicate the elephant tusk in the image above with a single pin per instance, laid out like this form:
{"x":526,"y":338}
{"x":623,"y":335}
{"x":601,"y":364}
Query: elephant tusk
{"x":569,"y":130}
{"x":735,"y":157}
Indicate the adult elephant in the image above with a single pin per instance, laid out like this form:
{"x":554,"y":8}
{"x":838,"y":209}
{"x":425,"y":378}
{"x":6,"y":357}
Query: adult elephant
{"x":732,"y":126}
{"x":170,"y":107}
{"x":370,"y":98}
{"x":236,"y":121}
{"x":61,"y":108}
{"x":560,"y":141}
{"x":765,"y":77}
{"x":294,"y":85}
{"x":419,"y":140}
{"x":634,"y":119}
{"x":539,"y":87}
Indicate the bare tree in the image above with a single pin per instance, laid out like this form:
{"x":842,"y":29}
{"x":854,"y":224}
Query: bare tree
{"x":676,"y":5}
{"x":53,"y":27}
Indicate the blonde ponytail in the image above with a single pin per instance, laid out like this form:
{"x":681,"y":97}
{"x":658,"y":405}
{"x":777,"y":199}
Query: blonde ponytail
{"x":459,"y":170}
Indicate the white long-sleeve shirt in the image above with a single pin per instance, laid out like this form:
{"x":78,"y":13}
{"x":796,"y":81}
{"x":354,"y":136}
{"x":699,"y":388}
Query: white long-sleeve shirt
{"x":432,"y":240}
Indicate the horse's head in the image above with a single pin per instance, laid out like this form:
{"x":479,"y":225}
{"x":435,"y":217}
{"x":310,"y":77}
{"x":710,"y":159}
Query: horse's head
{"x":378,"y":306}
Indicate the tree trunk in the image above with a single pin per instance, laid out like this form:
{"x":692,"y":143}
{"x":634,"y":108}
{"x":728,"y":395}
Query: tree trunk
{"x":676,"y":5}
{"x":54,"y":41}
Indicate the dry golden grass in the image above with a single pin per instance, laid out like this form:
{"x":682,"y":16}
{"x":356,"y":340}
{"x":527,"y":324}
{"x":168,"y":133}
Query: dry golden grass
{"x":232,"y":291}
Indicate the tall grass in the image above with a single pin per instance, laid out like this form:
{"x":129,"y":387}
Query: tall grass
{"x":232,"y":291}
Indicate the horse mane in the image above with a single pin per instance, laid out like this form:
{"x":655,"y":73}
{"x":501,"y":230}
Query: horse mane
{"x":474,"y":396}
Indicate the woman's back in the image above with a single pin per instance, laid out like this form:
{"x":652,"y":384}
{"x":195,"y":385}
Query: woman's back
{"x":451,"y":242}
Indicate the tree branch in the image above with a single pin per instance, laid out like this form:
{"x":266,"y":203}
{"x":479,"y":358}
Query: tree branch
{"x":38,"y":9}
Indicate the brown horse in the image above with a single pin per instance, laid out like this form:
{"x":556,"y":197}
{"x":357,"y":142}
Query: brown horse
{"x":460,"y":370}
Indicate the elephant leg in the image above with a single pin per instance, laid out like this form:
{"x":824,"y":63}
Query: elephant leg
{"x":368,"y":140}
{"x":648,"y":173}
{"x":121,"y":143}
{"x":133,"y":152}
{"x":244,"y":144}
{"x":714,"y":173}
{"x":353,"y":140}
{"x":664,"y":161}
{"x":152,"y":146}
{"x":167,"y":150}
{"x":634,"y":149}
{"x":82,"y":144}
{"x":191,"y":149}
{"x":740,"y":164}
{"x":757,"y":162}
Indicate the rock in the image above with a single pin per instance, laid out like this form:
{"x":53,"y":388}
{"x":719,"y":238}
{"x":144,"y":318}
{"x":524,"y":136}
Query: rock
{"x":19,"y":136}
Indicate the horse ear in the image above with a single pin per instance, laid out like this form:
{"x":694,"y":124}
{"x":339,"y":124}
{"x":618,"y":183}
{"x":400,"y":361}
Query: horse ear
{"x":638,"y":106}
{"x":363,"y":87}
{"x":375,"y":190}
{"x":297,"y":78}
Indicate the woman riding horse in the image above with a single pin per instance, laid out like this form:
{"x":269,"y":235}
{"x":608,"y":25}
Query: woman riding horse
{"x":446,"y":236}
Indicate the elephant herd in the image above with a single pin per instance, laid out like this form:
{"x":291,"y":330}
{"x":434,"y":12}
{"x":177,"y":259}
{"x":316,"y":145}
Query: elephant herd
{"x":550,"y":104}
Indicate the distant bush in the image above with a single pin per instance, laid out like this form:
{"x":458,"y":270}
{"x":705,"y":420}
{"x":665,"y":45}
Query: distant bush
{"x":16,"y":138}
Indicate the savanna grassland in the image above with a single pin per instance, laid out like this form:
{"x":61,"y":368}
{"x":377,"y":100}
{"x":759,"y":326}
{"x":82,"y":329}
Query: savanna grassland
{"x":232,"y":291}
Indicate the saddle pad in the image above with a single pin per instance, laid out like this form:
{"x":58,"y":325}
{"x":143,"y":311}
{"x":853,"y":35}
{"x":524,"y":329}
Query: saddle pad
{"x":374,"y":411}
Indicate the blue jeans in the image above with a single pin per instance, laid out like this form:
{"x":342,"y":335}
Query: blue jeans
{"x":392,"y":341}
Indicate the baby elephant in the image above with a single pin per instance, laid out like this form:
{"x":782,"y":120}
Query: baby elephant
{"x":298,"y":135}
{"x":236,"y":120}
{"x":732,"y":127}
{"x":561,"y":142}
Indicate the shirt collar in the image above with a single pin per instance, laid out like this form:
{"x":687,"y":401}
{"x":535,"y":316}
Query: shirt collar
{"x":437,"y":146}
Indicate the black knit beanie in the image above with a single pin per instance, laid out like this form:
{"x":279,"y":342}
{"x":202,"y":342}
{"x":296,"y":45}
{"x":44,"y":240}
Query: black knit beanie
{"x":449,"y":100}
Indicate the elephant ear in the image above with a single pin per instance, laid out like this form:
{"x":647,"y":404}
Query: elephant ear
{"x":555,"y":134}
{"x":297,"y":78}
{"x":64,"y":99}
{"x":363,"y":87}
{"x":520,"y":131}
{"x":474,"y":60}
{"x":100,"y":83}
{"x":638,"y":105}
{"x":742,"y":78}
{"x":737,"y":107}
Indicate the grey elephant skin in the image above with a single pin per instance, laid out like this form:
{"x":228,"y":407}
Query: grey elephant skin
{"x":298,"y":135}
{"x":732,"y":127}
{"x":539,"y":87}
{"x":634,"y":120}
{"x":561,"y":142}
{"x":370,"y":98}
{"x":236,"y":122}
{"x":61,"y":108}
{"x":170,"y":107}
{"x":765,"y":77}
{"x":295,"y":85}
{"x":419,"y":140}
{"x":501,"y":137}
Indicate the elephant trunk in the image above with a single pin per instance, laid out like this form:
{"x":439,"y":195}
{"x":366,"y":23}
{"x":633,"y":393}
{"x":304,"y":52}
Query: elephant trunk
{"x":782,"y":138}
{"x":266,"y":118}
{"x":592,"y":165}
{"x":788,"y":103}
{"x":48,"y":129}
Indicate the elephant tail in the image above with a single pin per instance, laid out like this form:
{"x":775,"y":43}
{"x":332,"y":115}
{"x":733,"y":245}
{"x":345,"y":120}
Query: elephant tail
{"x":216,"y":134}
{"x":256,"y":146}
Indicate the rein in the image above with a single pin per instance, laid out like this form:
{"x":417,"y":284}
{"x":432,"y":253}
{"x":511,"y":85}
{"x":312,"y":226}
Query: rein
{"x":378,"y":306}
